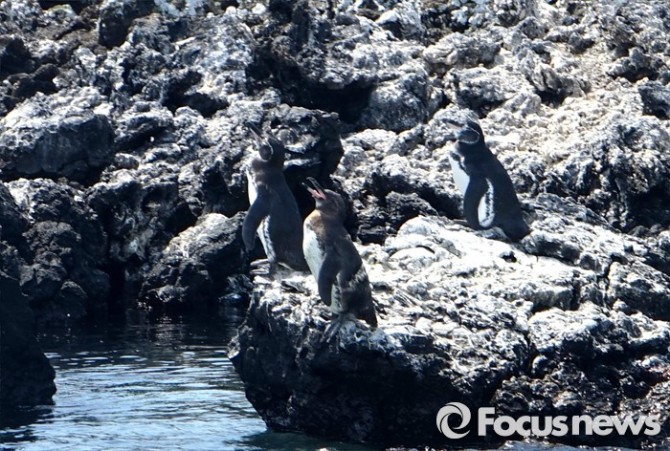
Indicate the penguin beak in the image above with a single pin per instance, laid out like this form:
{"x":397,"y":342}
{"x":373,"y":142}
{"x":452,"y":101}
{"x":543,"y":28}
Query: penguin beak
{"x":453,"y":127}
{"x":264,"y":148}
{"x":256,"y":133}
{"x":317,"y":191}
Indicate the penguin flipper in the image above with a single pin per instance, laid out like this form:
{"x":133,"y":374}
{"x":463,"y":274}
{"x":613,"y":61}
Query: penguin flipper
{"x":476,"y":189}
{"x":348,"y":253}
{"x":327,"y":277}
{"x":258,"y":211}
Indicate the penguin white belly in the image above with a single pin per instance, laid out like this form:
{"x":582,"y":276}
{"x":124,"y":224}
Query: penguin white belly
{"x":262,"y":230}
{"x":251,"y":188}
{"x":314,"y":254}
{"x":485,"y":209}
{"x":461,"y":178}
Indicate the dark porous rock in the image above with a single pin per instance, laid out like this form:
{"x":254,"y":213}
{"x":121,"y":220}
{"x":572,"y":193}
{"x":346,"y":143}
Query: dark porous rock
{"x":644,"y":289}
{"x":621,"y":173}
{"x":309,"y":57}
{"x":142,"y":125}
{"x":57,"y":136}
{"x":634,"y":33}
{"x":312,"y":138}
{"x":637,"y":66}
{"x":511,"y":12}
{"x":655,"y":99}
{"x":345,"y":389}
{"x":551,"y":325}
{"x":116,"y":18}
{"x":403,"y":19}
{"x":460,"y":51}
{"x":483,"y":90}
{"x":395,"y":174}
{"x":403,"y":207}
{"x":137,"y":70}
{"x":15,"y":58}
{"x":211,"y":77}
{"x":659,"y":254}
{"x":409,"y":165}
{"x":436,"y":18}
{"x":23,"y":15}
{"x":193,"y":271}
{"x":22,"y":74}
{"x":300,"y":52}
{"x":591,"y":361}
{"x":64,"y":275}
{"x":552,"y":85}
{"x":400,"y":104}
{"x":440,"y":18}
{"x":180,"y":92}
{"x":26,"y":378}
{"x":12,"y":220}
{"x":139,"y":210}
{"x":76,"y":5}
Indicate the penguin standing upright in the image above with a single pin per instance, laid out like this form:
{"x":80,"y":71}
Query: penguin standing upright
{"x":489,"y":198}
{"x":273,"y":212}
{"x":334,"y":261}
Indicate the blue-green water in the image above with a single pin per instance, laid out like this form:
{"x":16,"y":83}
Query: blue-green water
{"x":164,"y":386}
{"x":167,"y":386}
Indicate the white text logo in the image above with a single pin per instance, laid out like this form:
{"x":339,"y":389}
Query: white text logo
{"x":542,"y":426}
{"x":443,"y":419}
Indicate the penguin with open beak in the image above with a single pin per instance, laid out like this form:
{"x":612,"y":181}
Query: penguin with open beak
{"x":334,"y":261}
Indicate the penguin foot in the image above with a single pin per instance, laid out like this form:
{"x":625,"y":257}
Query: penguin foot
{"x":260,"y":262}
{"x":264,"y":272}
{"x":260,"y":267}
{"x":333,"y":328}
{"x":294,"y":285}
{"x":263,"y":267}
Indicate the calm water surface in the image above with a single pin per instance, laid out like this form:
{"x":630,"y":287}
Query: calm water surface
{"x":167,"y":386}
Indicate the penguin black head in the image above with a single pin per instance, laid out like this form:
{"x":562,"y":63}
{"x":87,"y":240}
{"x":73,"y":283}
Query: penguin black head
{"x":470,"y":134}
{"x":328,"y":202}
{"x":270,"y":149}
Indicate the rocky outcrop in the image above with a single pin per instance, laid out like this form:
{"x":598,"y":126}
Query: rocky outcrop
{"x":56,"y":136}
{"x":197,"y":265}
{"x":63,"y":250}
{"x":572,"y":320}
{"x":26,"y":378}
{"x":138,"y":138}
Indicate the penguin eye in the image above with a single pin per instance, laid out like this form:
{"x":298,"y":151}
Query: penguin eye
{"x":265,"y":151}
{"x":474,"y":133}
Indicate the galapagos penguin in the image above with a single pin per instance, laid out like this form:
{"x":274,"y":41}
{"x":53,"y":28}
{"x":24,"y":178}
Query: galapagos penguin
{"x":334,"y":261}
{"x":489,"y":198}
{"x":273,"y":212}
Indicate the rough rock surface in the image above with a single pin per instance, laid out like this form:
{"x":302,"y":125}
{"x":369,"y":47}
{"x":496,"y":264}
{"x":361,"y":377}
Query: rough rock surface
{"x":571,"y":320}
{"x":197,"y":264}
{"x":122,"y":142}
{"x":26,"y":378}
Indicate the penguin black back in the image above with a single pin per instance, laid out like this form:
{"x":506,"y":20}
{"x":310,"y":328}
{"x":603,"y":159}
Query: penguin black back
{"x":273,"y":212}
{"x":489,"y":197}
{"x":334,"y":260}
